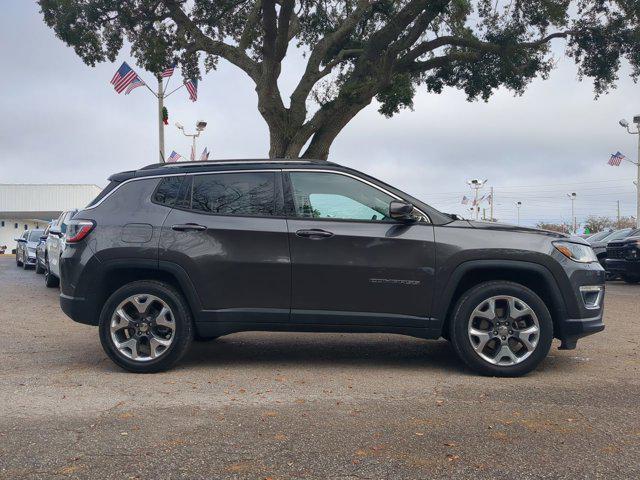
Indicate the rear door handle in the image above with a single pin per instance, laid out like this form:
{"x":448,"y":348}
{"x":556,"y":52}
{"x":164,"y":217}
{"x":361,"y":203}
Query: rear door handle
{"x":314,"y":234}
{"x":183,"y":227}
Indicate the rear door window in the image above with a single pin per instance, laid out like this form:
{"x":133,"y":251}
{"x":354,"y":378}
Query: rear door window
{"x":239,"y":194}
{"x":168,"y":191}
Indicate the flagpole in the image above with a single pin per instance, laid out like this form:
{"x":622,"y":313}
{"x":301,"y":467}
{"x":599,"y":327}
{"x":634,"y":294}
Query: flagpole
{"x":160,"y":120}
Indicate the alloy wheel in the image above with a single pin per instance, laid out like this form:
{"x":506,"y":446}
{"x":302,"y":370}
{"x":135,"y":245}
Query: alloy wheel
{"x":142,"y":327}
{"x":503,"y":330}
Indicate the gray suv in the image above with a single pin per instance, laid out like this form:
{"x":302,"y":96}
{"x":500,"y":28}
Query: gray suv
{"x":174,"y":252}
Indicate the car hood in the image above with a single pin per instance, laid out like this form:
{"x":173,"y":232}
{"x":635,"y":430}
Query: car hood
{"x":514,"y":228}
{"x":623,"y":241}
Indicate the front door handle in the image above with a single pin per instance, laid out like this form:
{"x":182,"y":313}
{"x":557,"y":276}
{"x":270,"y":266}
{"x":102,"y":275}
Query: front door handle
{"x":183,"y":227}
{"x":314,"y":234}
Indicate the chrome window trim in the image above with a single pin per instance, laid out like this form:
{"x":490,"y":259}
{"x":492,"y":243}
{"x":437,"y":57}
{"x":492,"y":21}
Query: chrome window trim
{"x":355,"y":177}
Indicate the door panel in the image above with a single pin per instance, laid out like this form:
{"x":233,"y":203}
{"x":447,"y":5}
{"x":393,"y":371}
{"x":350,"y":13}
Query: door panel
{"x":240,"y":265}
{"x":363,"y":267}
{"x":350,"y":262}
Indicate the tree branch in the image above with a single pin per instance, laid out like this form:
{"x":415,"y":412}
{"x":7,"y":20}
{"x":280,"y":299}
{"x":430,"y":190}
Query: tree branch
{"x":214,"y":47}
{"x":252,"y":20}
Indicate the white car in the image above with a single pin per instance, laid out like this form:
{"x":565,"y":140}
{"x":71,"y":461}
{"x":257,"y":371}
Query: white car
{"x":54,"y":248}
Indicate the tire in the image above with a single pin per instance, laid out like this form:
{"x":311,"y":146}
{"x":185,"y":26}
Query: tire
{"x":632,"y":279}
{"x":25,"y":265}
{"x":50,"y":280}
{"x":18,"y":262}
{"x":153,"y":296}
{"x":39,"y":268}
{"x":469,"y":312}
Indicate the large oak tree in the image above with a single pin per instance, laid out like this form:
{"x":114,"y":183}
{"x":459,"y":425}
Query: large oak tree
{"x":356,"y":50}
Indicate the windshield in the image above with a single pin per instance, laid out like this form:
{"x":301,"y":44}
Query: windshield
{"x":35,"y":235}
{"x":599,"y":236}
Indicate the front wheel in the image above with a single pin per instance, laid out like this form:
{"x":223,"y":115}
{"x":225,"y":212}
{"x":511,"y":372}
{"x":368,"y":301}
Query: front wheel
{"x":501,"y":328}
{"x":145,"y":326}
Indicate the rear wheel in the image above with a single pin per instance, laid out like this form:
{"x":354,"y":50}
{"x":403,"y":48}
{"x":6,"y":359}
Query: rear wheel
{"x":50,"y":280}
{"x":631,"y":278}
{"x":501,"y":328}
{"x":146,"y":326}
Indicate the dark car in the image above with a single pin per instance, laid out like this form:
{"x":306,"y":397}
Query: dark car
{"x":205,"y":249}
{"x":600,"y":246}
{"x":26,"y":248}
{"x":623,"y":257}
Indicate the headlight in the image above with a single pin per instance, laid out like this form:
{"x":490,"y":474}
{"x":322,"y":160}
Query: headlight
{"x":576,"y":251}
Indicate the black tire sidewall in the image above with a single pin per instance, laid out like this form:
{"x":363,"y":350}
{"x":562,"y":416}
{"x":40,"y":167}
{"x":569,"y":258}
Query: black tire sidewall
{"x":471,"y":299}
{"x":182,"y":316}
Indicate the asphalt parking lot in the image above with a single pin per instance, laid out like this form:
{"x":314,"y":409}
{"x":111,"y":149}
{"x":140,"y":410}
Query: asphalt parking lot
{"x":267,"y":405}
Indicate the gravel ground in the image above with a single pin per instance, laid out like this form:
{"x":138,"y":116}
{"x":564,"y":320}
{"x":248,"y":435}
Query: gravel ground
{"x":339,"y":406}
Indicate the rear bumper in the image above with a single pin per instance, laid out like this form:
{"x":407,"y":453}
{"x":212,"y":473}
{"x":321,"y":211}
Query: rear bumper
{"x":79,"y":309}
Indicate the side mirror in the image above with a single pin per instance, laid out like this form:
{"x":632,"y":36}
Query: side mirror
{"x":400,"y":210}
{"x":55,"y":231}
{"x":43,"y":237}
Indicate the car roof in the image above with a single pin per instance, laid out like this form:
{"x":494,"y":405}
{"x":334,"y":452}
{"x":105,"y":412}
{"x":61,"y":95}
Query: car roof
{"x":216,"y":165}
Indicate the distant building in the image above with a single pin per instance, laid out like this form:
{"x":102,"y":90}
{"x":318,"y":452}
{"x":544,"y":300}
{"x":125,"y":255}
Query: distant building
{"x":27,"y":206}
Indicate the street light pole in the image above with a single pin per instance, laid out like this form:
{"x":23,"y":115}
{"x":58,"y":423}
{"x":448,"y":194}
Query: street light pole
{"x":625,"y":124}
{"x":476,"y":184}
{"x":518,"y":205}
{"x":572,"y":197}
{"x":200,"y":126}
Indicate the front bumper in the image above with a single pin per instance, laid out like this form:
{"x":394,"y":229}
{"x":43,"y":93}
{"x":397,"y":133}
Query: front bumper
{"x":620,"y":266}
{"x":572,"y":329}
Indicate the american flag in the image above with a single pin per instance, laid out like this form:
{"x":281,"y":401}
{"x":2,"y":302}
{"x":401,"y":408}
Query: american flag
{"x":465,"y":200}
{"x":167,"y":72}
{"x":174,"y":157}
{"x":137,"y":82}
{"x":123,"y":77}
{"x":205,"y":154}
{"x":192,"y":86}
{"x":616,"y":159}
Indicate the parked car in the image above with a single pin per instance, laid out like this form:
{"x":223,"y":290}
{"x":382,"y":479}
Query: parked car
{"x":211,"y":248}
{"x":600,"y":246}
{"x":26,"y":248}
{"x":623,"y":257}
{"x":54,"y":247}
{"x":599,"y":236}
{"x":41,"y":249}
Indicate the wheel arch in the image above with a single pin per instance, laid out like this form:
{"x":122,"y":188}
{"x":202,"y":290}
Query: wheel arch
{"x":531,"y":275}
{"x":119,"y":273}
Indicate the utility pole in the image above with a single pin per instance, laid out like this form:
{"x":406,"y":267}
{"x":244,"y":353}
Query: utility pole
{"x":625,"y":124}
{"x":618,"y":224}
{"x":491,"y":206}
{"x":161,"y":119}
{"x":572,"y":197}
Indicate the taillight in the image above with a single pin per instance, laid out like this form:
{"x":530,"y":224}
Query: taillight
{"x":78,"y":229}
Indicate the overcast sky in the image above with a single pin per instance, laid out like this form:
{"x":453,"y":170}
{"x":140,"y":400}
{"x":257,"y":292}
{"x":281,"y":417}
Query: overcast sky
{"x":61,"y":122}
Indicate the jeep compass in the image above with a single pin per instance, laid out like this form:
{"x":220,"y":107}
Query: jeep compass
{"x":175,"y":252}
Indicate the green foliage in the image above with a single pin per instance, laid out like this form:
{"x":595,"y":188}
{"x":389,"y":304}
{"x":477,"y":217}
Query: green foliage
{"x":397,"y":95}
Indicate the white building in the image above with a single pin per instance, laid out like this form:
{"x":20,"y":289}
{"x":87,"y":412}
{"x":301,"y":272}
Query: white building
{"x":27,"y":206}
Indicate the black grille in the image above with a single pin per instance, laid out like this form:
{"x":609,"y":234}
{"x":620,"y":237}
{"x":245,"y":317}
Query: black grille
{"x":615,"y":252}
